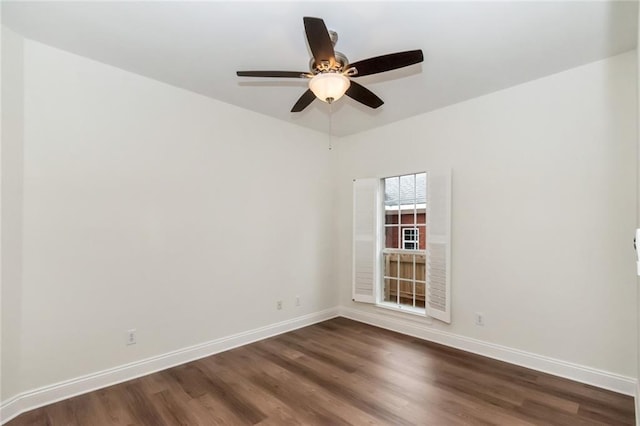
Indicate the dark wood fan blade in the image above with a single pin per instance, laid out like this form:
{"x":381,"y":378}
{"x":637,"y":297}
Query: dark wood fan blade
{"x":388,"y":62}
{"x":363,"y":95}
{"x":304,"y":101}
{"x":286,"y":74}
{"x":319,"y":40}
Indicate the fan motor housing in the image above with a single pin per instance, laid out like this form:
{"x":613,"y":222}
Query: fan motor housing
{"x":341,"y":64}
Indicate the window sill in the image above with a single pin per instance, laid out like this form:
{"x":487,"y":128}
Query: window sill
{"x":420,"y":312}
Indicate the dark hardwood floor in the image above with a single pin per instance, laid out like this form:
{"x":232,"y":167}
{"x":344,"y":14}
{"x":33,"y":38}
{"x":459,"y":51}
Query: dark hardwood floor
{"x":341,"y":372}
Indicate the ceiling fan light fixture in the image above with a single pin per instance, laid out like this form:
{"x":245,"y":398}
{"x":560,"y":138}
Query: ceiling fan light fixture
{"x":330,"y":70}
{"x":329,"y":87}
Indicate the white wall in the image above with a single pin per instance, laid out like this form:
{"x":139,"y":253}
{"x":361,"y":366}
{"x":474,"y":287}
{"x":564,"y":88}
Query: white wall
{"x":543,"y":209}
{"x":150,"y":207}
{"x":11,"y":212}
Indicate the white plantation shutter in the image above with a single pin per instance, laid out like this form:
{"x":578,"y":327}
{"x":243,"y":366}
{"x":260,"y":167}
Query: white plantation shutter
{"x":365,"y":250}
{"x":439,"y":245}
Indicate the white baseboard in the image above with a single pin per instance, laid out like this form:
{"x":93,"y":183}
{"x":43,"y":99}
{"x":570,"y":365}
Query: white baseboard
{"x":49,"y":394}
{"x":579,"y":373}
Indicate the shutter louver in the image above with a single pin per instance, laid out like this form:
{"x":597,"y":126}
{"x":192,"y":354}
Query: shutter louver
{"x":439,"y":245}
{"x":365,"y":222}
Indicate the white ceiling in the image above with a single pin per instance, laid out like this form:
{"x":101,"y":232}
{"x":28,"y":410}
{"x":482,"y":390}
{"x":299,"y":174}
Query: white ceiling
{"x":471,"y":48}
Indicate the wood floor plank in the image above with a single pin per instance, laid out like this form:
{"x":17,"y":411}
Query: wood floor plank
{"x":341,"y":372}
{"x":211,"y":411}
{"x":409,"y":392}
{"x":363,"y":398}
{"x":306,"y":397}
{"x":171,"y":410}
{"x":411,"y":382}
{"x":139,"y":406}
{"x":111,"y":407}
{"x":231,"y":372}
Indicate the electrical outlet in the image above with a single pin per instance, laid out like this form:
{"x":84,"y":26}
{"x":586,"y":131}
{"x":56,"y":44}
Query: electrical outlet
{"x":279,"y":305}
{"x":131,"y":337}
{"x":297,"y":300}
{"x":479,"y":319}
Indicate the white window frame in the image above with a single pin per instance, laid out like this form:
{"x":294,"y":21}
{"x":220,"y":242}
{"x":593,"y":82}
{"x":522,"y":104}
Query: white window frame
{"x":369,"y":241}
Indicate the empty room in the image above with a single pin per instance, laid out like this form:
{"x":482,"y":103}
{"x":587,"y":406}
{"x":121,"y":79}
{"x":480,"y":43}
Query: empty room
{"x":319,"y":213}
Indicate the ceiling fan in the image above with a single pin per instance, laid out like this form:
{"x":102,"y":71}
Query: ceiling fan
{"x":330,"y":71}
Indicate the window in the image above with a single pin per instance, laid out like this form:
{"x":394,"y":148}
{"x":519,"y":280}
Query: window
{"x":404,"y":278}
{"x":410,"y":238}
{"x":401,"y":248}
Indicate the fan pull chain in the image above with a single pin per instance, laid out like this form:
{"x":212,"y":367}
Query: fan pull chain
{"x":330,"y":127}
